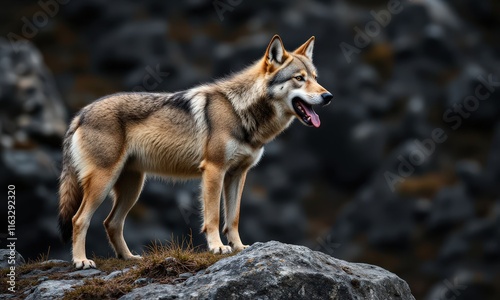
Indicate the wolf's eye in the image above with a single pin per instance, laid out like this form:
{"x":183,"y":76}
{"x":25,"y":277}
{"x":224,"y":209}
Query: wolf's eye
{"x":299,"y":78}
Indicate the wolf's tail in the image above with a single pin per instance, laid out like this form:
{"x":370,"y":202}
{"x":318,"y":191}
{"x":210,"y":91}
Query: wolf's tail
{"x":70,"y":191}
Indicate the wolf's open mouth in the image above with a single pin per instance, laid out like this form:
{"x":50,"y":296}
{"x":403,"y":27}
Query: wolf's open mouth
{"x":306,"y":113}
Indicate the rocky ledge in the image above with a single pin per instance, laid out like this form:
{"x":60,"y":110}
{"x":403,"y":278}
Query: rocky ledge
{"x":270,"y":270}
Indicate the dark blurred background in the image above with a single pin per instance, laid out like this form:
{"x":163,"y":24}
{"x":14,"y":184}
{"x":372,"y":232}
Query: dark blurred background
{"x":402,"y":173}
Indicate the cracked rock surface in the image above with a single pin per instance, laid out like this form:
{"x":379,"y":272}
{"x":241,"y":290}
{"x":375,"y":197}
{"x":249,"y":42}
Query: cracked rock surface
{"x":274,"y":270}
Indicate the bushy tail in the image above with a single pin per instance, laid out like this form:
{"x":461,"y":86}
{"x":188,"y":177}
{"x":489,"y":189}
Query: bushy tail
{"x":70,"y":192}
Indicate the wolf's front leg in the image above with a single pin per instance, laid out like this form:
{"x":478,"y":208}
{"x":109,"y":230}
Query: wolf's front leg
{"x":212,"y":179}
{"x":233,"y":188}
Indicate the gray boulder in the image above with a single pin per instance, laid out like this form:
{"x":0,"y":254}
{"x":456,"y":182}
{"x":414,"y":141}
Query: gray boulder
{"x":30,"y":105}
{"x":279,"y":271}
{"x":53,"y":289}
{"x":7,"y":256}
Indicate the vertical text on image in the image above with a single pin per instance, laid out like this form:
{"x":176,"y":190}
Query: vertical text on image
{"x":11,"y":237}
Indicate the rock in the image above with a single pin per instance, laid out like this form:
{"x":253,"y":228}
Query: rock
{"x":142,"y":281}
{"x":362,"y":144}
{"x":462,"y":285}
{"x":470,"y":174}
{"x":185,"y":275}
{"x":171,"y":260}
{"x":454,"y":248}
{"x":394,"y":224}
{"x":64,"y":267}
{"x":54,"y":261}
{"x":115,"y":274}
{"x":32,"y":122}
{"x":380,"y":216}
{"x":34,"y":172}
{"x":30,"y":105}
{"x":472,"y":101}
{"x":286,"y":221}
{"x":450,"y":206}
{"x":153,"y":291}
{"x":437,"y":48}
{"x":53,"y":289}
{"x":279,"y":271}
{"x":414,"y":122}
{"x":411,"y":21}
{"x":485,"y":182}
{"x":35,"y":165}
{"x":6,"y":255}
{"x":133,"y":37}
{"x":406,"y":160}
{"x":84,"y":273}
{"x":441,"y":12}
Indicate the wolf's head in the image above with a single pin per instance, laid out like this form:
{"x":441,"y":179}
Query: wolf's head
{"x":292,"y":79}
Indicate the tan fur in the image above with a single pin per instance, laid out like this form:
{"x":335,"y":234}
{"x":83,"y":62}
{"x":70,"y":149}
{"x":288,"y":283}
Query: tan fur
{"x":70,"y":192}
{"x":216,"y":131}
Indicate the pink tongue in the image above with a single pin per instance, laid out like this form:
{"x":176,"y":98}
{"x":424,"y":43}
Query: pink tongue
{"x":311,"y":113}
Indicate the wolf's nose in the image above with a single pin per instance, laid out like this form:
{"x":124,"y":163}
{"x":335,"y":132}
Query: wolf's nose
{"x":327,"y":98}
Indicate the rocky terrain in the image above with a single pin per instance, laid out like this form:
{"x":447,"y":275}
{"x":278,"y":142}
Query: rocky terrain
{"x":376,"y":183}
{"x":264,"y":271}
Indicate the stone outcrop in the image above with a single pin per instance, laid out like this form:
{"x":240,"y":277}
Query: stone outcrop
{"x":279,"y":271}
{"x":271,"y":270}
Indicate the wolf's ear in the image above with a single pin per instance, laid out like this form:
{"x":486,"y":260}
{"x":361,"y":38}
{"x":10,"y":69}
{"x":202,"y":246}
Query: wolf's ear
{"x":276,"y":53}
{"x":307,"y":48}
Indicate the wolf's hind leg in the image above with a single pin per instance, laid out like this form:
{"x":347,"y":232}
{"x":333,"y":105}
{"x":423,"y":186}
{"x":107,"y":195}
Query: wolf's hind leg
{"x":127,"y":189}
{"x":96,"y":187}
{"x":233,"y":188}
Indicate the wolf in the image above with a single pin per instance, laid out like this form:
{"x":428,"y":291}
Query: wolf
{"x":215,"y":131}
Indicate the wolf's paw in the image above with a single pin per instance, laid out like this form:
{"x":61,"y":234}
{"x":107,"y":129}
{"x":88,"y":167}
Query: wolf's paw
{"x":239,"y":247}
{"x":221,"y":249}
{"x":243,"y":247}
{"x":84,"y":263}
{"x":130,"y":257}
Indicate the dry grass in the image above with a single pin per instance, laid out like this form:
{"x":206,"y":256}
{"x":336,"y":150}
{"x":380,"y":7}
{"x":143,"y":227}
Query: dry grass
{"x":98,"y":288}
{"x":23,"y":279}
{"x":164,"y":261}
{"x":161,"y":264}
